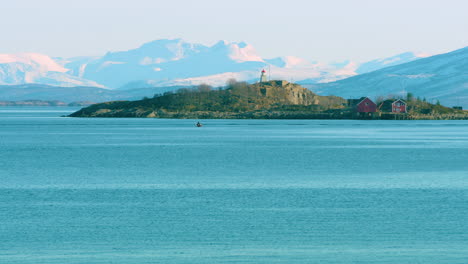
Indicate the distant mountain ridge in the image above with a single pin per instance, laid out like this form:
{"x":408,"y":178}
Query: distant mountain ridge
{"x":44,"y":103}
{"x":169,"y":62}
{"x":442,"y":77}
{"x":164,"y":65}
{"x":378,"y":64}
{"x":75,"y":94}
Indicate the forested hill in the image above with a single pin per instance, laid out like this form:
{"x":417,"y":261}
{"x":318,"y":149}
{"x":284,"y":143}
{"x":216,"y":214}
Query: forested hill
{"x":237,"y":100}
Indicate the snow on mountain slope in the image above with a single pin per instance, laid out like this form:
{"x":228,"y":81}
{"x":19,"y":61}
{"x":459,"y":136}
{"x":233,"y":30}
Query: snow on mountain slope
{"x":175,"y":62}
{"x":76,"y":65}
{"x":40,"y":61}
{"x":216,"y":80}
{"x":164,"y":60}
{"x":241,"y":52}
{"x":442,"y":77}
{"x":37,"y":68}
{"x":251,"y":76}
{"x":212,"y":65}
{"x":391,"y":61}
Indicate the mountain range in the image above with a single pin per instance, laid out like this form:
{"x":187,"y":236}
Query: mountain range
{"x":170,"y":62}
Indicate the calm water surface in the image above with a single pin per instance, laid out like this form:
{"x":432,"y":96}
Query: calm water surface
{"x":234,"y":191}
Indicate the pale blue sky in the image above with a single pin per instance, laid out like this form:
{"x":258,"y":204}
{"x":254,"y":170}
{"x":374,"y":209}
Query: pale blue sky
{"x":326,"y":30}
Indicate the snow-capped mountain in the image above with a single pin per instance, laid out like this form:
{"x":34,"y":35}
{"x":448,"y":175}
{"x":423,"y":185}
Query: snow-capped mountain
{"x":167,"y":60}
{"x":170,"y":62}
{"x":442,"y":77}
{"x":176,"y":62}
{"x":37,"y":68}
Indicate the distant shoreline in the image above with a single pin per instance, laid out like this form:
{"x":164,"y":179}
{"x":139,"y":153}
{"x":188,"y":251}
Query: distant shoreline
{"x":54,"y":103}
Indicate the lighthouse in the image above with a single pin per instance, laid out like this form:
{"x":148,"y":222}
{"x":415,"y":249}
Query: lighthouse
{"x":263,"y":76}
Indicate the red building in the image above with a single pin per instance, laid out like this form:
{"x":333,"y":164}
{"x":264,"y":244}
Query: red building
{"x":393,"y":106}
{"x":399,"y":106}
{"x":363,"y":105}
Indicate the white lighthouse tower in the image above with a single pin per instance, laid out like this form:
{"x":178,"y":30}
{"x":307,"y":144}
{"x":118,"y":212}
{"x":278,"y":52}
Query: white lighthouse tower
{"x":263,"y":77}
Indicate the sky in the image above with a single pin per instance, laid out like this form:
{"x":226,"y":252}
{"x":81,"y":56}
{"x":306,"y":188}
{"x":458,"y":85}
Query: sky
{"x":326,"y":30}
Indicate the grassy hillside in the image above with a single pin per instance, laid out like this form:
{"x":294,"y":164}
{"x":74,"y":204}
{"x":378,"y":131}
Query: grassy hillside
{"x":238,"y":100}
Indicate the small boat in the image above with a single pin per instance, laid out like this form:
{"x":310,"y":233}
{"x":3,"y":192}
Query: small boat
{"x":199,"y":124}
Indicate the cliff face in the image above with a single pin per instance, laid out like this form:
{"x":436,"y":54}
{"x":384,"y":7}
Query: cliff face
{"x":224,"y":103}
{"x":286,"y":93}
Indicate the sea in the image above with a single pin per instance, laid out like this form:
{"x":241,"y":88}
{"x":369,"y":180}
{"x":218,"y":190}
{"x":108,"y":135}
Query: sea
{"x":141,"y":191}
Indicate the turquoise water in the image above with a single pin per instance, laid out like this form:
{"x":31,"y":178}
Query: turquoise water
{"x":234,"y":191}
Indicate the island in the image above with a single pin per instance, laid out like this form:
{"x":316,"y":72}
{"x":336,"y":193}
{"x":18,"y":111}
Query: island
{"x":266,"y":100}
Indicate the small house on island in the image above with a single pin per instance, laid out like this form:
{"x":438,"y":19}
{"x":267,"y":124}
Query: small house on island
{"x":393,"y":106}
{"x":362,"y":105}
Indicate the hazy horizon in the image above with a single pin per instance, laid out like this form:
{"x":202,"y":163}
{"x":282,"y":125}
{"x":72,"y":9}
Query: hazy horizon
{"x":332,"y":31}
